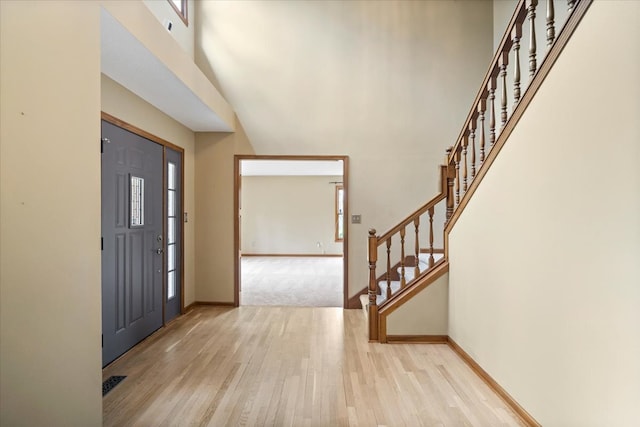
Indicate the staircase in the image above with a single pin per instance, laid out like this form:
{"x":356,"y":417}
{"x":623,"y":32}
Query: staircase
{"x":502,"y":99}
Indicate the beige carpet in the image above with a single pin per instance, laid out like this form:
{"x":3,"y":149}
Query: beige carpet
{"x":291,"y":281}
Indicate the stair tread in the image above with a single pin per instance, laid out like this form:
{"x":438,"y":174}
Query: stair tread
{"x":409,"y":272}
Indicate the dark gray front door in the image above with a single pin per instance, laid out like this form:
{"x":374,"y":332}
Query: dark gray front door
{"x":174,"y":212}
{"x":132,"y":254}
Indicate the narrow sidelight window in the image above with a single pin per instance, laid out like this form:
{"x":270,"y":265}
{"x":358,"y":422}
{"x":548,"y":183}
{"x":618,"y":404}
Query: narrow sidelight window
{"x":339,"y":212}
{"x":172,"y":218}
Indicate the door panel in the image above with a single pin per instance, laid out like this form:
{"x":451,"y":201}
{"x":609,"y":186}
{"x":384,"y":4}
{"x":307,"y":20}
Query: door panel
{"x":131,"y":223}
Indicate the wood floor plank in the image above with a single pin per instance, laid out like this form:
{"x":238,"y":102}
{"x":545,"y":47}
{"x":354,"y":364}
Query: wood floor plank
{"x":293,"y":366}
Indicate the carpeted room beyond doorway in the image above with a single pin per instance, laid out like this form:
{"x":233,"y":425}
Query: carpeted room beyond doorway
{"x":292,"y":281}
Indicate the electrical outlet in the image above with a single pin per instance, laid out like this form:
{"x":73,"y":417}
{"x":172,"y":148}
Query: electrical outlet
{"x":356,"y":219}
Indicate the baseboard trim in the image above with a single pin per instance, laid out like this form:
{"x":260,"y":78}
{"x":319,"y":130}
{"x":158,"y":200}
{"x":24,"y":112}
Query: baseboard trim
{"x":214,"y":303}
{"x":296,"y":255}
{"x":418,"y":339}
{"x":354,"y":301}
{"x":513,"y":404}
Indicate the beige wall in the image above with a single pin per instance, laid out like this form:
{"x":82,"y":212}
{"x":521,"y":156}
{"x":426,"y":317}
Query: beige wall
{"x":386,"y":83}
{"x":121,"y":103}
{"x":544,"y":271}
{"x":139,"y":20}
{"x":183,"y":34}
{"x":50,"y":322}
{"x":424,"y":314}
{"x":502,"y":13}
{"x":289,"y":215}
{"x":214,"y":212}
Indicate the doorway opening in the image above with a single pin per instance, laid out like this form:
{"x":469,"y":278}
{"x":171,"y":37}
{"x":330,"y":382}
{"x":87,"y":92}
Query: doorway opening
{"x":291,"y":239}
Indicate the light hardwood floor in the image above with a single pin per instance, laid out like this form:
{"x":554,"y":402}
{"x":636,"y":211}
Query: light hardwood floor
{"x":293,"y":366}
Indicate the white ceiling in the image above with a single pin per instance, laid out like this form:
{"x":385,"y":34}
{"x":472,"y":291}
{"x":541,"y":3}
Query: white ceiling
{"x":291,"y":167}
{"x":128,"y":62}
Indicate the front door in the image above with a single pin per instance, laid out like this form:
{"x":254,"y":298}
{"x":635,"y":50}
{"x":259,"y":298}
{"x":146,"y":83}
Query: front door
{"x":132,"y":239}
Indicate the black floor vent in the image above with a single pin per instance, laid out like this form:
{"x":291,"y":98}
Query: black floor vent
{"x":110,"y":383}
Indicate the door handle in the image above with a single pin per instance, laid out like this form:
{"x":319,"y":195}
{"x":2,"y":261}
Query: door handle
{"x":159,"y":251}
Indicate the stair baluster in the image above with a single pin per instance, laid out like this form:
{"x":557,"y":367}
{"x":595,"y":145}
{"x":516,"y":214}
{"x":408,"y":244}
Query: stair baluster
{"x":492,"y":111}
{"x":457,"y":160}
{"x":516,"y":35}
{"x":551,"y":29}
{"x":389,"y":268}
{"x":472,"y":138}
{"x":482,"y":106}
{"x":531,"y":9}
{"x":503,"y":61}
{"x":403,"y":281}
{"x":450,"y":176}
{"x":465,"y":144}
{"x":431,"y":259}
{"x":416,"y":224}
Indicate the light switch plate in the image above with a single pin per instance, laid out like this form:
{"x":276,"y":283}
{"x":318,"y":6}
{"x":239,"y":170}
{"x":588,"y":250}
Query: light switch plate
{"x":356,"y":219}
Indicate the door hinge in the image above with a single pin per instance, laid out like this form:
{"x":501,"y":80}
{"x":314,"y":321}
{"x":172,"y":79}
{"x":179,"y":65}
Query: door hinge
{"x":102,"y":340}
{"x":102,"y":243}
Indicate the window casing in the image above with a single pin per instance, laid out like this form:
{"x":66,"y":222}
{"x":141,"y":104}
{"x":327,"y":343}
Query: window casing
{"x":180,"y":6}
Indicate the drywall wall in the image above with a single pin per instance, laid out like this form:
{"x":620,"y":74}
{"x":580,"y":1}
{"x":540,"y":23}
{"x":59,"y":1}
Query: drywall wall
{"x":138,"y":20}
{"x":427,"y":313}
{"x":214,"y":212}
{"x":502,"y":13}
{"x":544,"y":269}
{"x":126,"y":106}
{"x":50,"y":322}
{"x":289,"y":215}
{"x":386,"y":83}
{"x":181,"y":32}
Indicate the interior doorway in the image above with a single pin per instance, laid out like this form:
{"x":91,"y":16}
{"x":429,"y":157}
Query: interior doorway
{"x":289,"y":223}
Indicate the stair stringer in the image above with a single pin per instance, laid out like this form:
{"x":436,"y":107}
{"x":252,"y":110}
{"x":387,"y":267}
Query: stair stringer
{"x":406,"y":294}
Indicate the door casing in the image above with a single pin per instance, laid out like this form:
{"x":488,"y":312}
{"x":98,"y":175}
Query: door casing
{"x":237,"y":159}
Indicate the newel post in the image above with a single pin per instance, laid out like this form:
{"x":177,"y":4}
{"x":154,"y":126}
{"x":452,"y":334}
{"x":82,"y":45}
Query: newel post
{"x":373,"y":287}
{"x":450,"y":176}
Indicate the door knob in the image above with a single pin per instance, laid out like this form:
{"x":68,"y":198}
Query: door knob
{"x":159,"y":251}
